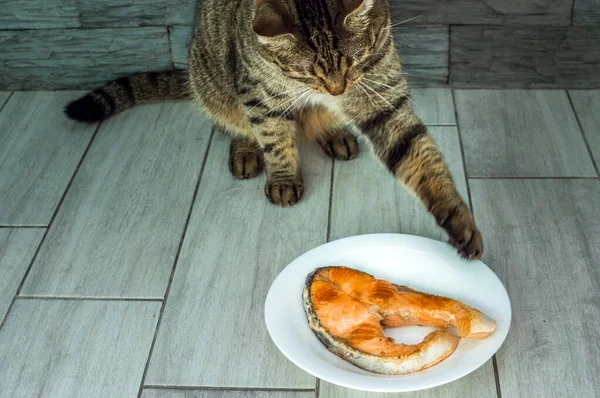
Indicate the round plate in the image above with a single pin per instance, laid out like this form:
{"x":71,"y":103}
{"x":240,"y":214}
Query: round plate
{"x":420,"y":263}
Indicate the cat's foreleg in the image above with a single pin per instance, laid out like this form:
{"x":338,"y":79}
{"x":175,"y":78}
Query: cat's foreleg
{"x":403,"y":144}
{"x":276,"y":134}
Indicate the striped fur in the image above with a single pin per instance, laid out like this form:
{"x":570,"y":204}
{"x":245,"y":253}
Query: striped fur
{"x":127,"y":92}
{"x":269,"y":72}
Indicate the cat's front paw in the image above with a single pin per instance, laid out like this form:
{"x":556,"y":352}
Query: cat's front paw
{"x":285,"y":192}
{"x":245,"y":158}
{"x":339,"y":145}
{"x":462,"y":231}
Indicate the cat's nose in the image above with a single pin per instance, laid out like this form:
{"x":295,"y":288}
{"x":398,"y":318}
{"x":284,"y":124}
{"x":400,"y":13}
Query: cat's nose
{"x":336,"y":88}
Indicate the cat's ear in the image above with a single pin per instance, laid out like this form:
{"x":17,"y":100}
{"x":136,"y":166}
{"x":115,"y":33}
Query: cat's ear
{"x":270,"y":20}
{"x":357,"y":6}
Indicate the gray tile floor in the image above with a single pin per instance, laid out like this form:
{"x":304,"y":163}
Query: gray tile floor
{"x":133,"y":265}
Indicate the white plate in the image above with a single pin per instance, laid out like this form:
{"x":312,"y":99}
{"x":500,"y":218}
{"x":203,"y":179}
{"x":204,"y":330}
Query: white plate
{"x":420,"y":263}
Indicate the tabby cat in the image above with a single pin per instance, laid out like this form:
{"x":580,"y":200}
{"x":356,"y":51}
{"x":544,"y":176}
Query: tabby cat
{"x":271,"y":71}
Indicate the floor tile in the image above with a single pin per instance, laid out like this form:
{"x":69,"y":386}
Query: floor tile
{"x":156,"y":393}
{"x":120,"y":225}
{"x":434,"y":106}
{"x":521,"y":133}
{"x":543,"y":241}
{"x":213,"y":332}
{"x":17,"y":248}
{"x":479,"y":384}
{"x":587,"y":104}
{"x":57,"y":349}
{"x":367,"y":198}
{"x":39,"y":151}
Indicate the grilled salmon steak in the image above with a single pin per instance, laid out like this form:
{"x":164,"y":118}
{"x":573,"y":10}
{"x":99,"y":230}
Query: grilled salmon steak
{"x":349,"y":309}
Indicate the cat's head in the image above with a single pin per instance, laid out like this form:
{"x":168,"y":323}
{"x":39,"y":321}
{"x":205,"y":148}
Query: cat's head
{"x":325,"y":44}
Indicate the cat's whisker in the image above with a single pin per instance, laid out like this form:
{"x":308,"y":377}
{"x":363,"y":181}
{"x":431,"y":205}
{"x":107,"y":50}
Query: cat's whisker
{"x":289,"y":109}
{"x":403,"y":73}
{"x":379,"y":53}
{"x":396,"y":90}
{"x":308,"y":99}
{"x":380,"y":96}
{"x":290,"y":92}
{"x":414,"y":95}
{"x":303,"y":101}
{"x":274,"y":96}
{"x":292,"y":101}
{"x":287,"y":100}
{"x":294,"y":90}
{"x":408,"y":20}
{"x":415,"y":104}
{"x":368,"y":95}
{"x":283,"y":103}
{"x":373,"y":100}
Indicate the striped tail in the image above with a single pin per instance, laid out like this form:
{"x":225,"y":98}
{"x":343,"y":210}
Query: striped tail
{"x":127,"y":92}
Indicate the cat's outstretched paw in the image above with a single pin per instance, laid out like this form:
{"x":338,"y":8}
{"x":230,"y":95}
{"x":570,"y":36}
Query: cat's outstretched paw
{"x":339,"y":145}
{"x":284,"y":192}
{"x":462,"y":231}
{"x":245,"y":158}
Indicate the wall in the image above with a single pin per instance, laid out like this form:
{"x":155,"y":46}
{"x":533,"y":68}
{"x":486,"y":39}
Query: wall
{"x":76,"y":44}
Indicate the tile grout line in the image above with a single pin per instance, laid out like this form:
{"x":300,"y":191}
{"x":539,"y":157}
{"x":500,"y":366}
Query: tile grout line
{"x":72,"y":298}
{"x":6,"y":102}
{"x":174,"y":268}
{"x":145,"y":27}
{"x":531,"y":178}
{"x":450,"y":53}
{"x":23,"y":226}
{"x":328,"y":237}
{"x":170,"y":47}
{"x":440,"y":124}
{"x":494,"y":361}
{"x":248,"y":389}
{"x":462,"y":150}
{"x":79,"y":7}
{"x":587,"y":144}
{"x":58,"y":206}
{"x":496,"y":375}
